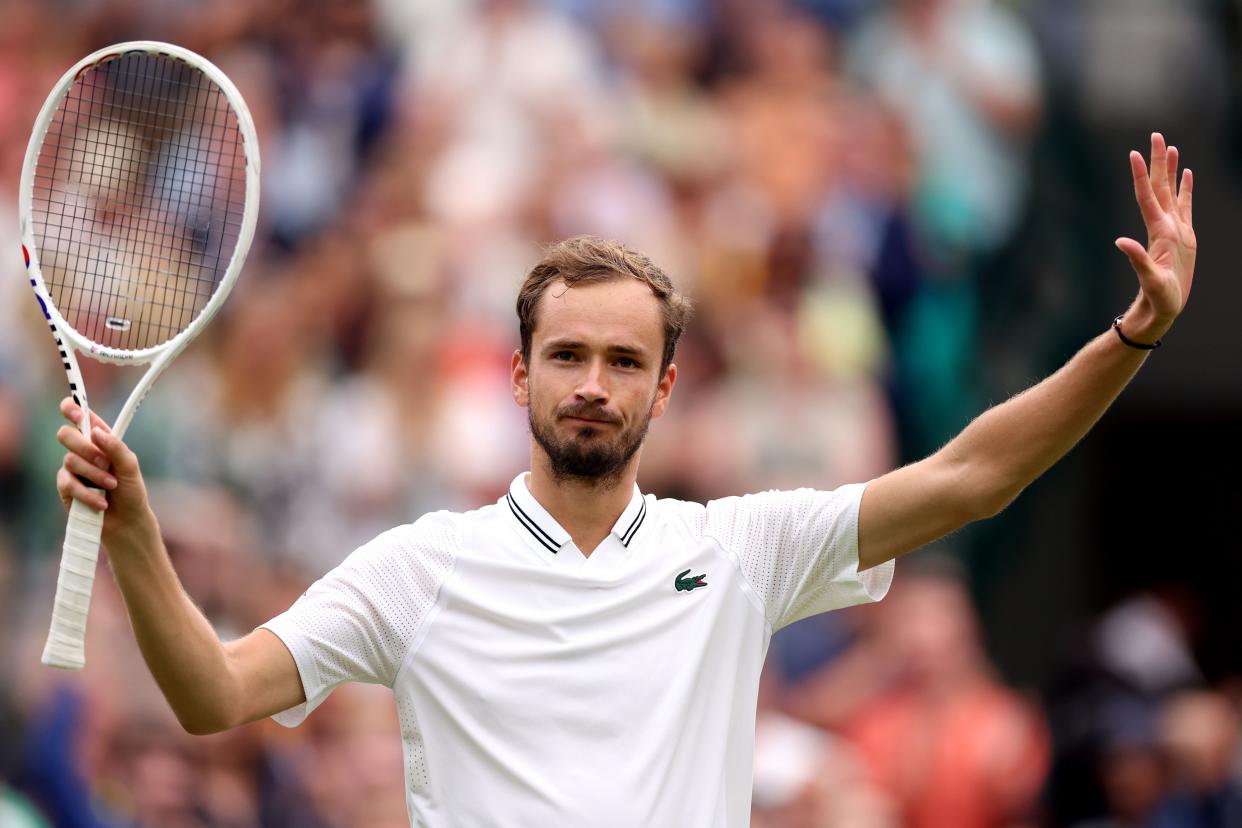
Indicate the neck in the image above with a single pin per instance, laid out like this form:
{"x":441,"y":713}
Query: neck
{"x":585,"y":508}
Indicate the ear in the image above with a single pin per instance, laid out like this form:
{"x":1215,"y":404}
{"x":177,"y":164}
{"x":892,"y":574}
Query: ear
{"x":664,"y":390}
{"x":519,"y":380}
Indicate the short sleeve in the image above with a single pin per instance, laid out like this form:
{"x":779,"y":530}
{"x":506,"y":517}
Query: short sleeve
{"x":356,"y":622}
{"x":799,"y":550}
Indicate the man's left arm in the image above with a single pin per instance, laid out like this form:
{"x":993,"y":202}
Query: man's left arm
{"x":985,"y":467}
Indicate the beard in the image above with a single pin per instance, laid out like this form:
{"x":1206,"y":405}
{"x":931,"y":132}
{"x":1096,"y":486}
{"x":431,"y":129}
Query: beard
{"x":586,"y":456}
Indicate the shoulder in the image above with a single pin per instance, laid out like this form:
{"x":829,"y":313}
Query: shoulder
{"x":724,"y":517}
{"x":422,"y":550}
{"x":434,"y":530}
{"x":784,"y":501}
{"x":441,"y":532}
{"x":685,"y":514}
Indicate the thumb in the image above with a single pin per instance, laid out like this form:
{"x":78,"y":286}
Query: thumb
{"x":1144,"y":267}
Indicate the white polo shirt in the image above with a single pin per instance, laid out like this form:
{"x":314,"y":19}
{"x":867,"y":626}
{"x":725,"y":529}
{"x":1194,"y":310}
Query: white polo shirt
{"x":539,"y":687}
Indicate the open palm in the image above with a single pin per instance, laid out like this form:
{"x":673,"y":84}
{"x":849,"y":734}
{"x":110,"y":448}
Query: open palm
{"x":1166,"y":266}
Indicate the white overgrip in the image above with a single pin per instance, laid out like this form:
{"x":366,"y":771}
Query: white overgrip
{"x":66,"y":640}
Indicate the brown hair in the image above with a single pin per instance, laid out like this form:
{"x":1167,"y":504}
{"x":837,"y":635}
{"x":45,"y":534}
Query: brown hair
{"x":591,"y":259}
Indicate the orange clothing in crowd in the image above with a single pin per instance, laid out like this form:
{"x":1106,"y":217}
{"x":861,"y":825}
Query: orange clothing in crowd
{"x":975,"y":758}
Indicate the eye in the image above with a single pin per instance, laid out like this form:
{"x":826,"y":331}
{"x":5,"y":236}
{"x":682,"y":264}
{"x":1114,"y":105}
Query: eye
{"x":626,"y":362}
{"x":562,"y":356}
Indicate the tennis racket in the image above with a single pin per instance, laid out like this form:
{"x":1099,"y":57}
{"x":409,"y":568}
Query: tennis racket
{"x":138,"y":201}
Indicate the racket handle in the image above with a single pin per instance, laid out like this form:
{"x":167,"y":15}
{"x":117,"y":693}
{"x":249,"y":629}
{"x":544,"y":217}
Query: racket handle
{"x":66,"y":640}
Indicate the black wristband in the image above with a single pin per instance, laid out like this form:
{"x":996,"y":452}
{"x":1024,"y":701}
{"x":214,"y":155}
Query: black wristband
{"x":1130,"y":342}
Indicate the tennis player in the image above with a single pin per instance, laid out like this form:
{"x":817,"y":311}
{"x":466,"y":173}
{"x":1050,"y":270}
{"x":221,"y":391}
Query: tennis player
{"x":579,"y":653}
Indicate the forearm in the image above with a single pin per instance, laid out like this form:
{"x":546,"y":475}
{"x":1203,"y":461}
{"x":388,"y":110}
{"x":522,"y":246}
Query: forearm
{"x":181,"y":649}
{"x":210,"y":686}
{"x":1004,"y":449}
{"x":1010,"y":445}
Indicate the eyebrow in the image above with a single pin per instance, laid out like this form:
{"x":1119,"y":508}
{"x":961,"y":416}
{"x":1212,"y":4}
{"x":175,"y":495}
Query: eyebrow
{"x":565,"y":344}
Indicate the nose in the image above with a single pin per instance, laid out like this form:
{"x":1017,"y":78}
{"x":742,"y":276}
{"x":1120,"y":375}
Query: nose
{"x":591,"y":387}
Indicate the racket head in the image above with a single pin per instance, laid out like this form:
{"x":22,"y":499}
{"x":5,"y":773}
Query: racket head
{"x":138,"y":199}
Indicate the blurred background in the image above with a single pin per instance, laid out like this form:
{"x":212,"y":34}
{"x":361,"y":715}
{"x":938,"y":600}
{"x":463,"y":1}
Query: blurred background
{"x":890,"y":215}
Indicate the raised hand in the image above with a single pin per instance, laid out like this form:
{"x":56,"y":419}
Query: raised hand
{"x":1166,"y":266}
{"x":108,"y":463}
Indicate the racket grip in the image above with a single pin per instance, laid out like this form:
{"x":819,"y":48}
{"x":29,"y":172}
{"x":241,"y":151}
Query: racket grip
{"x":66,"y":640}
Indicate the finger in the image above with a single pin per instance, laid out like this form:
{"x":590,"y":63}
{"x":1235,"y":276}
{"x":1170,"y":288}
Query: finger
{"x":72,"y":412}
{"x":1171,"y":158}
{"x":71,"y":488}
{"x":1143,"y":193}
{"x":1185,"y":196}
{"x":76,"y":442}
{"x":1146,"y":270}
{"x":124,"y":461}
{"x":1160,"y":172}
{"x":85,"y":470}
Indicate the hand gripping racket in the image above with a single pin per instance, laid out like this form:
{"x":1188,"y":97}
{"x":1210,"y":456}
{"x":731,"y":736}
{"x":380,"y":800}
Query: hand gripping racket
{"x":138,"y":200}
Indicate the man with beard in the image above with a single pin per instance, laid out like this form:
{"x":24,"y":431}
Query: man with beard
{"x":579,"y":653}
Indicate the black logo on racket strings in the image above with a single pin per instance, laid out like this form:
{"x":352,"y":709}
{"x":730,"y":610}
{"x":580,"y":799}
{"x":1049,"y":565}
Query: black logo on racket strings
{"x":687,"y":582}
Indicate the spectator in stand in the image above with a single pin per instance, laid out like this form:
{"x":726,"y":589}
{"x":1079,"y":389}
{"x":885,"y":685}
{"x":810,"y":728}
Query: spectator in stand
{"x":1132,"y":768}
{"x":918,"y":699}
{"x":965,"y":77}
{"x":1201,"y":734}
{"x":807,"y":778}
{"x":1104,"y":708}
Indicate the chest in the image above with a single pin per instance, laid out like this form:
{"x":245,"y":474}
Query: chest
{"x":605,"y":644}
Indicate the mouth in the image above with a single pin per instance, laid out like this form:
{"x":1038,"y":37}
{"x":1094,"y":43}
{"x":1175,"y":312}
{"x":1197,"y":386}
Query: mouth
{"x":589,"y":421}
{"x":584,"y":416}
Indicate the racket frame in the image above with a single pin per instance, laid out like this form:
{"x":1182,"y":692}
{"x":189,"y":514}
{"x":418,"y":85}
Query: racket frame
{"x":65,"y":648}
{"x":69,"y":340}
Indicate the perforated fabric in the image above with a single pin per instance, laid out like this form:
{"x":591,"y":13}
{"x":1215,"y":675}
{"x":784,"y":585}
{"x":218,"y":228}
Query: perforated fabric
{"x":417,"y":775}
{"x":798,"y":550}
{"x":356,"y":623}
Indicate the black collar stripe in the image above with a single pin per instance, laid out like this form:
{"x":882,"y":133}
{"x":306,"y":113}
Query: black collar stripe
{"x":637,"y":518}
{"x":537,"y":533}
{"x":531,"y":521}
{"x":638,"y":521}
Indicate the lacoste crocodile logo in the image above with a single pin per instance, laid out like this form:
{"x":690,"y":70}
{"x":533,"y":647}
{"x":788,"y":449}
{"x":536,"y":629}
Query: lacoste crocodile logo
{"x":687,"y":582}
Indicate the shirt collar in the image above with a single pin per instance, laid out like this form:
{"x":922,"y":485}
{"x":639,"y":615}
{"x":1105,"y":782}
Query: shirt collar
{"x":543,"y":528}
{"x":534,"y":518}
{"x":631,"y":519}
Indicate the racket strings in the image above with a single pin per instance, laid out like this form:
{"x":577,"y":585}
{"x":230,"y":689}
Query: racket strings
{"x":122,"y":151}
{"x":138,"y":199}
{"x":179,"y":166}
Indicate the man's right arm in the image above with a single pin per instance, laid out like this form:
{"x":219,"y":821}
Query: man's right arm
{"x":211,"y":686}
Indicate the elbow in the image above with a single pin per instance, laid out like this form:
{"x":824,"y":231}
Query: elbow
{"x":993,"y":501}
{"x":982,"y":491}
{"x":213,"y":703}
{"x":196,"y":728}
{"x":202,"y":723}
{"x":987,"y":509}
{"x":206,"y":715}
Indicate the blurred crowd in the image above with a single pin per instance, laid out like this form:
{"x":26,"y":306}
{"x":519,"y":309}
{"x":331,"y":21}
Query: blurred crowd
{"x":849,"y":189}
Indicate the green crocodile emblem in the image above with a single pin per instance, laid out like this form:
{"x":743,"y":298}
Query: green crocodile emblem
{"x":687,"y":582}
